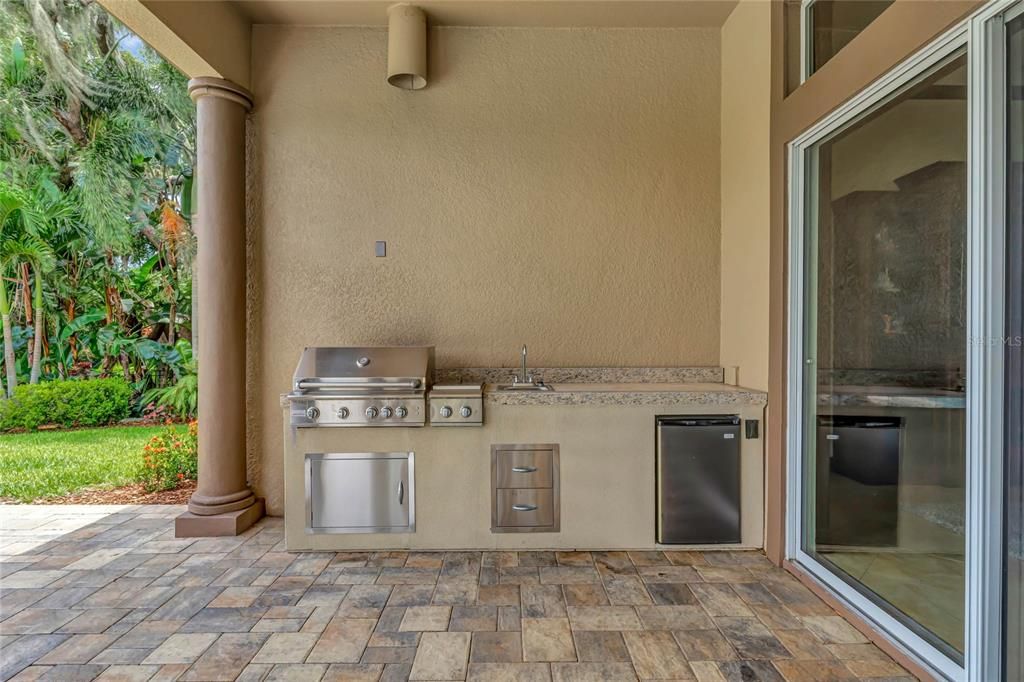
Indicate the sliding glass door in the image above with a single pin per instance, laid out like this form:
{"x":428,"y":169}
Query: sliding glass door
{"x":884,"y":339}
{"x":906,"y":358}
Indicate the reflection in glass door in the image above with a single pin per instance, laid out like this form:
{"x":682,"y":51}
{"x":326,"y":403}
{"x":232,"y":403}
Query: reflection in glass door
{"x":884,"y":353}
{"x":1014,"y":362}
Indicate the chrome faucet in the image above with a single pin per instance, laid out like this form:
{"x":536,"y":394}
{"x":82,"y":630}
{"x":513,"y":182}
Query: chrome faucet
{"x":523,"y":378}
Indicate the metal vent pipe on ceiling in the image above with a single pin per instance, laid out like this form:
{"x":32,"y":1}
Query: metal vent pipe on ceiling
{"x":407,"y":47}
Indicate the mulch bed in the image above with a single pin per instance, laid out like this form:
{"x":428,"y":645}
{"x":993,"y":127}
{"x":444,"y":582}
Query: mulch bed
{"x":129,"y":494}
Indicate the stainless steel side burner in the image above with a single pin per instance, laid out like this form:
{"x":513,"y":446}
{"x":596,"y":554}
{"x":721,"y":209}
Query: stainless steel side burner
{"x":383,"y":386}
{"x":456,"y":405}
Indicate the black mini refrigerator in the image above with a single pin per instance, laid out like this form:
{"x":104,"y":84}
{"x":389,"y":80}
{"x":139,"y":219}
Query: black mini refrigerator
{"x":698,"y":479}
{"x":858,"y":468}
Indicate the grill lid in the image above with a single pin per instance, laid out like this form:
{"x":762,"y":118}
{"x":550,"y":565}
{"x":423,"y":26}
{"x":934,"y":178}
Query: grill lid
{"x":370,"y":369}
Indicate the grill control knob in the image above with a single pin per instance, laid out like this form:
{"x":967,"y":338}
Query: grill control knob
{"x":401,"y":412}
{"x":343,"y":413}
{"x":313,"y":412}
{"x":466,"y":411}
{"x":371,"y":412}
{"x":446,"y":411}
{"x":386,"y":412}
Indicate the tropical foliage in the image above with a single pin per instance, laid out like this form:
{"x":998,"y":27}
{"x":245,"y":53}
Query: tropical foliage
{"x":171,"y":458}
{"x":97,"y":146}
{"x":66,"y":403}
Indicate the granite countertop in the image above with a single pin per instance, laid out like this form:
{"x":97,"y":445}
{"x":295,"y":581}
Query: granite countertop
{"x":635,"y":393}
{"x":891,"y":396}
{"x":583,"y":375}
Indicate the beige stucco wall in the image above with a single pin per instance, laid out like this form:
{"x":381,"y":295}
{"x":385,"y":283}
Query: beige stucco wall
{"x":553,"y":187}
{"x":746,"y":117}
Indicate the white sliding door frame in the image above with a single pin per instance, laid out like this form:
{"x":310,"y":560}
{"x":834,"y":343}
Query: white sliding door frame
{"x":986,"y":313}
{"x":983,"y":37}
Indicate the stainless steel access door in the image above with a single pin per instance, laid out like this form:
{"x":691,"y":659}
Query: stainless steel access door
{"x":698,"y":469}
{"x":360,"y":492}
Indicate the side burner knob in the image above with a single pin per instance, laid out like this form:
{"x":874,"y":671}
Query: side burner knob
{"x":313,"y":412}
{"x":446,"y":411}
{"x":466,"y":411}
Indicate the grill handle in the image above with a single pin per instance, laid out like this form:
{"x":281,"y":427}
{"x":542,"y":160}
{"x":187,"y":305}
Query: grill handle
{"x":357,"y":383}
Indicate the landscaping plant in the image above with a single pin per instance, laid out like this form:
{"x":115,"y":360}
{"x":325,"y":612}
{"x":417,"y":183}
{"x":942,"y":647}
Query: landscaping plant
{"x":66,"y":403}
{"x":171,"y":457}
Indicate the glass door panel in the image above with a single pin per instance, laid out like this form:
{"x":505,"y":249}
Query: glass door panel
{"x":1014,"y":369}
{"x":834,"y":23}
{"x":885,"y":341}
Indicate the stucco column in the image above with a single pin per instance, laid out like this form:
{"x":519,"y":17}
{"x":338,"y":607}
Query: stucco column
{"x":222,"y":503}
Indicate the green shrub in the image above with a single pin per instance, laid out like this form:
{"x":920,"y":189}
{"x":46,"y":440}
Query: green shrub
{"x":171,"y":457}
{"x":91,"y":402}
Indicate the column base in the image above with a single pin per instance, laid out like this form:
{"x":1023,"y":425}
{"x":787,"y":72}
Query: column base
{"x":189,"y":525}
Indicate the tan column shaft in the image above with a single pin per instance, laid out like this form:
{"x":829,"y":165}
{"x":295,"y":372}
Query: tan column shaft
{"x":221,"y":107}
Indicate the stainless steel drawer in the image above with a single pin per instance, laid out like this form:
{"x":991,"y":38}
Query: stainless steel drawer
{"x":523,"y":469}
{"x":520,"y":507}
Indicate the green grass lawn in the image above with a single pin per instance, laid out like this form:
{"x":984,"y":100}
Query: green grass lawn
{"x":34,"y":465}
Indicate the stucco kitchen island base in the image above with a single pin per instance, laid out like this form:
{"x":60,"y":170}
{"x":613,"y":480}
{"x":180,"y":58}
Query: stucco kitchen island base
{"x":607,"y":471}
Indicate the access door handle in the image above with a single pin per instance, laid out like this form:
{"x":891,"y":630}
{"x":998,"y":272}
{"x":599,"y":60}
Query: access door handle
{"x":524,"y":507}
{"x":524,"y":470}
{"x":401,"y":492}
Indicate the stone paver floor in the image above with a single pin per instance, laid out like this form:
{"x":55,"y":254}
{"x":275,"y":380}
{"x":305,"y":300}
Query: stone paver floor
{"x":108,"y":593}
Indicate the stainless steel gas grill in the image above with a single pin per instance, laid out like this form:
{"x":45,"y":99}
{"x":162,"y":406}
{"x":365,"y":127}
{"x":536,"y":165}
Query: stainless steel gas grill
{"x":362,"y":386}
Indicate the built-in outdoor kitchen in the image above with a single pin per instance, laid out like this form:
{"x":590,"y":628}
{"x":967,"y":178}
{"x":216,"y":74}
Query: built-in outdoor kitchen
{"x":385,"y":450}
{"x":751,"y":304}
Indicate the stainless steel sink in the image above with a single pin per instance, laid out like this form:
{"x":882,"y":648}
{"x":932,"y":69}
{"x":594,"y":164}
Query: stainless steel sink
{"x":525,"y":387}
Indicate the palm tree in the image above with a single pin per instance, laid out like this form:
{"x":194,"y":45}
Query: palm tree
{"x":32,"y":251}
{"x":16,"y":219}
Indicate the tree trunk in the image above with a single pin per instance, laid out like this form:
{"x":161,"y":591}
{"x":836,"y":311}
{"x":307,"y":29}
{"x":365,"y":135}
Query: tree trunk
{"x":26,"y":293}
{"x":5,"y":316}
{"x":40,"y":329}
{"x":103,"y":34}
{"x":126,"y":367}
{"x":12,"y":372}
{"x":173,"y":313}
{"x":71,"y":120}
{"x":108,"y":364}
{"x":72,"y":341}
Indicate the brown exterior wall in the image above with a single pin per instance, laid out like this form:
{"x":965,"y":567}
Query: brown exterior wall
{"x":903,"y":29}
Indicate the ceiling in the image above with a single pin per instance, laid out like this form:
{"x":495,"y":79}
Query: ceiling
{"x":554,"y":13}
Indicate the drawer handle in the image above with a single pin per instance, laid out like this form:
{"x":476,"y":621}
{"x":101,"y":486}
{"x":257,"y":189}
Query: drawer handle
{"x":524,"y":507}
{"x":524,"y":470}
{"x":401,"y":492}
